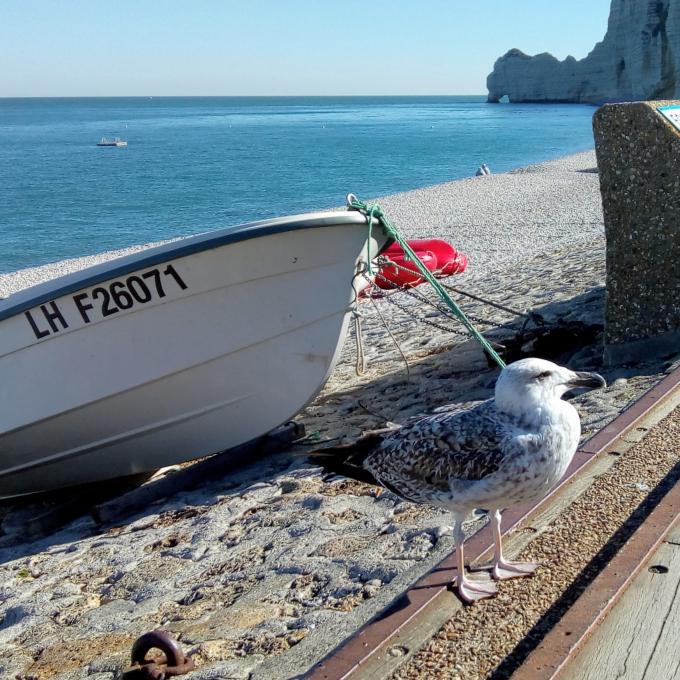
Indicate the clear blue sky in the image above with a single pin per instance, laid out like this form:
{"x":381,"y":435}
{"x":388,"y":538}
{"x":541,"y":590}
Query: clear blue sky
{"x":278,"y":47}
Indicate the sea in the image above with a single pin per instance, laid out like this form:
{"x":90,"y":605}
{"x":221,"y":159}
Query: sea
{"x":193,"y":164}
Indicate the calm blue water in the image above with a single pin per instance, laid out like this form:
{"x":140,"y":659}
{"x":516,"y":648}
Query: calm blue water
{"x":195,"y":164}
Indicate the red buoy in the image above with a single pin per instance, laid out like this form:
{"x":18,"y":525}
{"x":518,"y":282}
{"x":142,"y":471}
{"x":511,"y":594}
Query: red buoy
{"x":440,"y":257}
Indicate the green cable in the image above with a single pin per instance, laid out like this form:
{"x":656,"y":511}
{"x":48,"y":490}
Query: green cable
{"x":376,"y":211}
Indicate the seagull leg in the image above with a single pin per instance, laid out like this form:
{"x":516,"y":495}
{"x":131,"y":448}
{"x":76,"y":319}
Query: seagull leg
{"x":469,"y":591}
{"x":501,"y":568}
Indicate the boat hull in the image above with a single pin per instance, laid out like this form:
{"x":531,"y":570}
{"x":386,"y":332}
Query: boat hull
{"x":206,"y":351}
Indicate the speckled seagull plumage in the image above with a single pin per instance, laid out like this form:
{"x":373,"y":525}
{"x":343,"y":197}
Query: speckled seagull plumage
{"x":510,"y":449}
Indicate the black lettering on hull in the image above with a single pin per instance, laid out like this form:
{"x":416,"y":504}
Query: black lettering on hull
{"x":107,"y":299}
{"x":39,"y":334}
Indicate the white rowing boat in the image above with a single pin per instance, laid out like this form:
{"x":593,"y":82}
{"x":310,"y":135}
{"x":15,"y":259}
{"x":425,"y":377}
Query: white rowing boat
{"x":176,"y":352}
{"x":116,"y":141}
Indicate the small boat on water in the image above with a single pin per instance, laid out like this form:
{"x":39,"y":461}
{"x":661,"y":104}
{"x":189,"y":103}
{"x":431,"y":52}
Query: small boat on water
{"x":116,"y":141}
{"x":175,"y":352}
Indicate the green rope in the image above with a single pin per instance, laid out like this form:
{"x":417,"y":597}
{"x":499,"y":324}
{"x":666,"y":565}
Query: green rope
{"x":376,"y":211}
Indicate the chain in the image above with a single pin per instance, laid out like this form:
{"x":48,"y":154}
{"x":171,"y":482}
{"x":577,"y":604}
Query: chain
{"x":381,"y":261}
{"x":429,"y":322}
{"x":391,"y":299}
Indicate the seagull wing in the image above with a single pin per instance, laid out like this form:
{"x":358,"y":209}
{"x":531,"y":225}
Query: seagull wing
{"x":423,"y":460}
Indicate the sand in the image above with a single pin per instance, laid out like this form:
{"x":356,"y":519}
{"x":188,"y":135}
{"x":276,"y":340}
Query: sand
{"x":263,"y":572}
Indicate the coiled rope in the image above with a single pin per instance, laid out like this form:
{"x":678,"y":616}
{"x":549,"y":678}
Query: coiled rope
{"x":375,"y":211}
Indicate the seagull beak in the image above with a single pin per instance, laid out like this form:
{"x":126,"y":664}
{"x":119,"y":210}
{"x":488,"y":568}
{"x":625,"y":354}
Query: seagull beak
{"x":585,"y":379}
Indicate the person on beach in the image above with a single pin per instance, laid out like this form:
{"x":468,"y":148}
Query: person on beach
{"x":483,"y":170}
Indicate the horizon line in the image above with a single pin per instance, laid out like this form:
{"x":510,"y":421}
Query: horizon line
{"x":234,"y":96}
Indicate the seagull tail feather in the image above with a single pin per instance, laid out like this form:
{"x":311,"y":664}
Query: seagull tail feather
{"x":347,"y":460}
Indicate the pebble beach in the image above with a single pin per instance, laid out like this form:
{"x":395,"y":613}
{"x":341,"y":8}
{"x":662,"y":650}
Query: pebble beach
{"x":264,"y":571}
{"x":496,"y":220}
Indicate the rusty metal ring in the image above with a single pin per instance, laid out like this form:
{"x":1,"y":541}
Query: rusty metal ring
{"x":157,"y":639}
{"x":175,"y":661}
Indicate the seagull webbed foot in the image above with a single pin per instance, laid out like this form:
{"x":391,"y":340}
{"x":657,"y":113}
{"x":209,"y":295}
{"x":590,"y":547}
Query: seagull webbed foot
{"x":472,"y":591}
{"x":502,"y":570}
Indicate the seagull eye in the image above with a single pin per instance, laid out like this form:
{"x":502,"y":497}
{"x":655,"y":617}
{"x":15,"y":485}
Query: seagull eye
{"x":544,"y":375}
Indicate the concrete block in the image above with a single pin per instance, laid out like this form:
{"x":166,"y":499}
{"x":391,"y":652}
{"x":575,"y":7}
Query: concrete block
{"x":638,"y":155}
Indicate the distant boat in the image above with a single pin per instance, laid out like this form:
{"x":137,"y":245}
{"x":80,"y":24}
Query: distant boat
{"x":116,"y":141}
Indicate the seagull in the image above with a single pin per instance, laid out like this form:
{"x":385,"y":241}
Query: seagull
{"x":507,"y":450}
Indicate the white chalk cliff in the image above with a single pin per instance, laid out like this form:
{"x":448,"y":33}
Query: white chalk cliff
{"x":639,"y":58}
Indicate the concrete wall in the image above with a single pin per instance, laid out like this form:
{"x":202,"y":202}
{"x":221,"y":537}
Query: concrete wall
{"x":638,"y":155}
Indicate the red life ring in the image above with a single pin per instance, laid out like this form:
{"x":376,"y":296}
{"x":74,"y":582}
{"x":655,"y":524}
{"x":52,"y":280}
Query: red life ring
{"x":405,"y":273}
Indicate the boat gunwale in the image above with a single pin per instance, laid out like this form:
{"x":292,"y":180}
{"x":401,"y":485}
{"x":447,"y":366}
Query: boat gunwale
{"x":28,"y":298}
